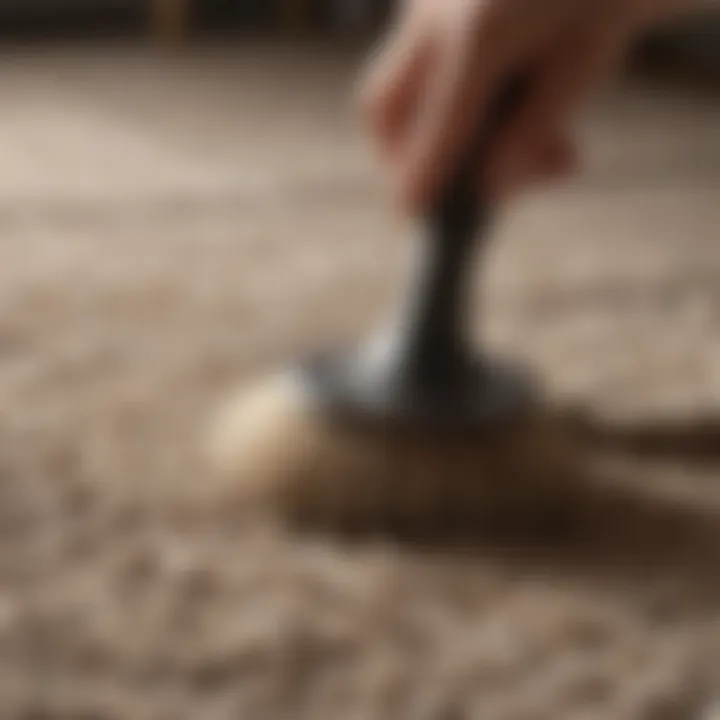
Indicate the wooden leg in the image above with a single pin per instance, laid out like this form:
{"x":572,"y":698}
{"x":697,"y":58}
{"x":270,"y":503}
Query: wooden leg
{"x":170,"y":20}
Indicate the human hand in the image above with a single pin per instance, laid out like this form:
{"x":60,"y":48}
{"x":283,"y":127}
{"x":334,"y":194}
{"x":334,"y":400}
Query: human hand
{"x":443,"y":62}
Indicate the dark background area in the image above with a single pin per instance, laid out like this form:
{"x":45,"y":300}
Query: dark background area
{"x":37,"y":18}
{"x":691,"y":45}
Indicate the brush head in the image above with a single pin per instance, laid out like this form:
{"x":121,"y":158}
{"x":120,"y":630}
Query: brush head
{"x":412,"y":424}
{"x":281,"y":447}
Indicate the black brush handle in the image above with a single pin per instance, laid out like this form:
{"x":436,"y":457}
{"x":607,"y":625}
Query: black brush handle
{"x":432,"y":334}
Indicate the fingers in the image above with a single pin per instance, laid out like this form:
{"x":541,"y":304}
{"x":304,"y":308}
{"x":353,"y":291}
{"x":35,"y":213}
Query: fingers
{"x":430,"y":86}
{"x":452,"y":104}
{"x":566,"y":79}
{"x":392,"y":85}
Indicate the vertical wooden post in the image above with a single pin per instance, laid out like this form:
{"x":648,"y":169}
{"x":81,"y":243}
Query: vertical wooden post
{"x":170,"y":20}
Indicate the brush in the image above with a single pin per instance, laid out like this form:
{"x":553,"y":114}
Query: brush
{"x":416,"y":426}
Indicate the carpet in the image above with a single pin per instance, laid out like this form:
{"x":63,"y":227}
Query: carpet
{"x":175,"y":223}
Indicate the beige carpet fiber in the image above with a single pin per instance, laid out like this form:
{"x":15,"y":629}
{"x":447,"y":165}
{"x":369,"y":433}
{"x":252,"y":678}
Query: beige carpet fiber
{"x":171,"y":225}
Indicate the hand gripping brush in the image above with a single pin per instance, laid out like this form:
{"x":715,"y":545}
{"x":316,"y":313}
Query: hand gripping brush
{"x":414,"y":426}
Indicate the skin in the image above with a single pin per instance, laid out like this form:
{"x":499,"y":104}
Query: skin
{"x":434,"y":77}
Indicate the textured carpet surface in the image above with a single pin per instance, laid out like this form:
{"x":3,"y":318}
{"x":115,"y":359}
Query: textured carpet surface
{"x":171,"y":225}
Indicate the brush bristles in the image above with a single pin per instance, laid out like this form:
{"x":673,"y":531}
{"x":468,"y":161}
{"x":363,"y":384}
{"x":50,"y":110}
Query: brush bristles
{"x":276,"y":449}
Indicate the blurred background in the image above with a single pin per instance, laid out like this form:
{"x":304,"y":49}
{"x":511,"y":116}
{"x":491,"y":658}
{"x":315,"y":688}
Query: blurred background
{"x":187,"y":201}
{"x":694,"y":38}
